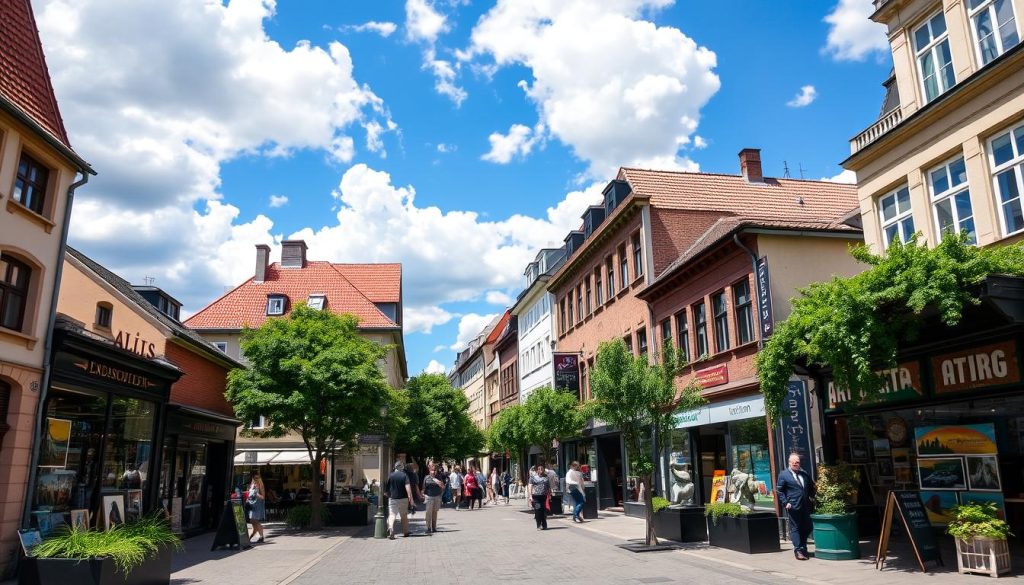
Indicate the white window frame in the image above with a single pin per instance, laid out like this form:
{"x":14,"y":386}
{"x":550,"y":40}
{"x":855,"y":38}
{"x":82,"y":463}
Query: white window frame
{"x":898,"y":218}
{"x":1015,"y":165}
{"x":316,"y":301}
{"x":950,"y":193}
{"x":262,"y":421}
{"x":221,"y":346}
{"x":990,"y":7}
{"x":931,"y":48}
{"x":275,"y":301}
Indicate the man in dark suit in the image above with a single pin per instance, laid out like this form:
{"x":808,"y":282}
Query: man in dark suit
{"x":796,"y":490}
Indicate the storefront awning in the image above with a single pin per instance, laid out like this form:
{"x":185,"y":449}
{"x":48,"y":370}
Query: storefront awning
{"x":272,"y":458}
{"x":291,"y":458}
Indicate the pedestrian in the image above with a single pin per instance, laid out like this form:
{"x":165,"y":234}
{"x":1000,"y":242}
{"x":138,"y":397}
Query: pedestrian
{"x":455,"y":481}
{"x":796,"y":494}
{"x":472,"y":487}
{"x":506,"y":481}
{"x":574,"y":483}
{"x":412,"y":470}
{"x":493,"y":486}
{"x":399,"y":495}
{"x":481,"y":483}
{"x":540,"y":490}
{"x":433,"y":488}
{"x":256,"y":498}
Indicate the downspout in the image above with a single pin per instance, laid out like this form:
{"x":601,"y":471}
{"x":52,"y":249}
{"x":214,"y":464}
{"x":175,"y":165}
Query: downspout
{"x":47,"y":350}
{"x":757,"y":291}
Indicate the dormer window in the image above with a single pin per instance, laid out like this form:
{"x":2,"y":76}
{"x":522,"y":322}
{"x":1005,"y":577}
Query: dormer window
{"x":995,"y":27}
{"x":316,"y":302}
{"x":275,"y":304}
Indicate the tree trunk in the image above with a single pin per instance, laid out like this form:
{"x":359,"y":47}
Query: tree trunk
{"x":651,"y":537}
{"x":314,"y":501}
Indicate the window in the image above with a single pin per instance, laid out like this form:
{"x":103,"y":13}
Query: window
{"x":744,"y":312}
{"x":598,"y":297}
{"x":1007,"y":158}
{"x":683,"y":330}
{"x":638,"y":257}
{"x":641,"y":341}
{"x":994,"y":26}
{"x":934,"y":60}
{"x":275,"y":305}
{"x":222,"y":346}
{"x":623,"y":267}
{"x":30,"y":186}
{"x":589,"y":307}
{"x":316,"y":302}
{"x":700,"y":325}
{"x":897,"y":222}
{"x":561,"y":316}
{"x":104,"y":312}
{"x":666,"y":332}
{"x":629,"y":343}
{"x":258,"y":422}
{"x":610,"y":269}
{"x":571,"y":322}
{"x":579,"y":303}
{"x":14,"y":281}
{"x":721,"y":310}
{"x":952,"y":198}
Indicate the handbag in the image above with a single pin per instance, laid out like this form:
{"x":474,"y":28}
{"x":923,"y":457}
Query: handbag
{"x":547,"y":502}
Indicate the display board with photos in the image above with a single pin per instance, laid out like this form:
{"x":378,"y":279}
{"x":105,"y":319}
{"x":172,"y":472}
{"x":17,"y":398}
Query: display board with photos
{"x":880,"y":447}
{"x":957,"y":464}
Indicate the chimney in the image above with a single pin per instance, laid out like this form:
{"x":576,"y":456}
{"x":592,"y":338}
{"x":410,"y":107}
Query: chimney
{"x":293,"y":254}
{"x":262,"y":260}
{"x":750,"y":165}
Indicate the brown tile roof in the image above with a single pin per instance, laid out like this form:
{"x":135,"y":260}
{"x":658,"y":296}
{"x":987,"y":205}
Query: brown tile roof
{"x":381,"y":283}
{"x":246,"y":305}
{"x":24,"y":78}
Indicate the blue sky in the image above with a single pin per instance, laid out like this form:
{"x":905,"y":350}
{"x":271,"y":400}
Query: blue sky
{"x":249,"y":122}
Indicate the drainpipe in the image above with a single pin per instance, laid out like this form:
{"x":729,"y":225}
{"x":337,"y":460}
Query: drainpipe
{"x":30,"y":486}
{"x":757,"y":291}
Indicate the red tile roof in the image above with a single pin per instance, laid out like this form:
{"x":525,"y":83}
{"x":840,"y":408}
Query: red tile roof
{"x":495,"y":333}
{"x":246,"y":305}
{"x":381,"y":283}
{"x":24,"y":78}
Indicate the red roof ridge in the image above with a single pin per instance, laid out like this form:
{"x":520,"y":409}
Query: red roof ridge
{"x":217,"y":300}
{"x":361,"y":293}
{"x":736,"y":176}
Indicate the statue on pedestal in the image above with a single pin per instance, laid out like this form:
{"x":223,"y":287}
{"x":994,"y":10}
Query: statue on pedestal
{"x":742,"y":486}
{"x":682,"y":486}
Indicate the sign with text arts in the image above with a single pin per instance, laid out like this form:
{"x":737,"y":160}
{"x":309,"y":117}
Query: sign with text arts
{"x":764,"y":298}
{"x":567,"y":372}
{"x":795,"y":428}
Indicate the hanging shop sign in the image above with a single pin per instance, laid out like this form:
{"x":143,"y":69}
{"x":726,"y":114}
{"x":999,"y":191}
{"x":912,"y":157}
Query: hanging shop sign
{"x":729,"y":410}
{"x":900,"y":383}
{"x":764,"y":298}
{"x":709,"y":377}
{"x":979,"y":367}
{"x":794,"y":425}
{"x":567,"y":372}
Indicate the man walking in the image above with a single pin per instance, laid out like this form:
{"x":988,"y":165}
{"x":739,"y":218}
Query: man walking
{"x":433,"y":487}
{"x":399,"y":492}
{"x":796,"y":492}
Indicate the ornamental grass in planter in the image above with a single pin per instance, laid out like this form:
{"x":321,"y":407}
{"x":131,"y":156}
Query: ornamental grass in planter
{"x":836,"y":536}
{"x":980,"y":535}
{"x":732,"y":526}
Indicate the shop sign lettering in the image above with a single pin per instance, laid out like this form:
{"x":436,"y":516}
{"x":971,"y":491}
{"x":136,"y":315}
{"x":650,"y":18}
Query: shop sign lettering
{"x":135,"y":344}
{"x":796,"y":432}
{"x":764,"y":299}
{"x":715,"y":376}
{"x":990,"y":365}
{"x":118,"y":375}
{"x":900,"y":383}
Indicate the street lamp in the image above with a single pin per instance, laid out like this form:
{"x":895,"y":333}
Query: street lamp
{"x":380,"y":529}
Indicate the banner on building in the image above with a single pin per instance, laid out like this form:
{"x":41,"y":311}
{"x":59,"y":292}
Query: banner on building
{"x":795,"y":428}
{"x":764,"y":298}
{"x":567,"y":372}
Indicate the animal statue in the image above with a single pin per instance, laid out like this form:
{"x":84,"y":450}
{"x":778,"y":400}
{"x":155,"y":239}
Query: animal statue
{"x":682,"y":486}
{"x":742,"y":486}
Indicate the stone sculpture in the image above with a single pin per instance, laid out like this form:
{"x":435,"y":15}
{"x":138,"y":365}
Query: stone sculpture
{"x":682,"y":486}
{"x":742,"y":487}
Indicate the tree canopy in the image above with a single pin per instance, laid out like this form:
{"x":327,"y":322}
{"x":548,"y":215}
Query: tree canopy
{"x":548,"y":415}
{"x":856,"y":325}
{"x":313,"y":374}
{"x":437,"y":421}
{"x":508,"y":432}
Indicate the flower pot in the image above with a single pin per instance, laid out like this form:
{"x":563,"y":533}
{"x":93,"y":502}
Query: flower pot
{"x":685,"y":524}
{"x":836,"y":537}
{"x":984,"y":556}
{"x":155,"y":570}
{"x":753,"y":533}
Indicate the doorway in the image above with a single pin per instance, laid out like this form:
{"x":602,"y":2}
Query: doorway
{"x":609,"y":471}
{"x":712,"y":451}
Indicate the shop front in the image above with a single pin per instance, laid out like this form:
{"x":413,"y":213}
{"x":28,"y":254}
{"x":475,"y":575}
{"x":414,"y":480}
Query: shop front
{"x":601,"y":455}
{"x":98,"y":459}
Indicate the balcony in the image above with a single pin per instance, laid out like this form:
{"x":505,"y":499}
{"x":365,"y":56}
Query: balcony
{"x":876,"y":130}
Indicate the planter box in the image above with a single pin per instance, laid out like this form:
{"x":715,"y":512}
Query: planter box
{"x":355,"y":514}
{"x":750,"y":533}
{"x":685,"y":524}
{"x":836,"y":537}
{"x":95,"y":571}
{"x":634,"y":509}
{"x":984,"y":556}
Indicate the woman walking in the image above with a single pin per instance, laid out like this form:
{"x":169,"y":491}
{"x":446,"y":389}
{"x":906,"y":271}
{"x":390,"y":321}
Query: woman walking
{"x":256,"y":498}
{"x":539,"y":490}
{"x":492,"y":486}
{"x":574,"y":483}
{"x":455,"y":481}
{"x":506,"y":481}
{"x":472,"y":486}
{"x":433,"y":487}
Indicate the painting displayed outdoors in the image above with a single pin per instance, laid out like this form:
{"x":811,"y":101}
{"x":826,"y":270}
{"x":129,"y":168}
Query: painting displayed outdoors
{"x":956,"y":440}
{"x":54,"y":450}
{"x":940,"y":506}
{"x":113,"y":511}
{"x":985,"y":497}
{"x":983,"y":473}
{"x":942,"y":473}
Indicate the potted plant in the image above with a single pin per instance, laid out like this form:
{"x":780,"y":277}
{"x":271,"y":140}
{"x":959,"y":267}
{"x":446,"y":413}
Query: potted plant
{"x":732,"y":526}
{"x":980,"y":539}
{"x":131,"y":554}
{"x":835,"y":522}
{"x":679,"y":523}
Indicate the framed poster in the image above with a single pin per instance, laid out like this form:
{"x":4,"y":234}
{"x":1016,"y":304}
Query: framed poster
{"x":80,"y":519}
{"x":718,"y":486}
{"x":133,"y":505}
{"x":901,"y":457}
{"x":880,"y":447}
{"x":113,"y":511}
{"x":904,"y":475}
{"x":939,"y":506}
{"x":53,"y":488}
{"x":859,"y":450}
{"x":983,"y":473}
{"x":54,"y":450}
{"x":30,"y":539}
{"x":984,"y":497}
{"x":956,"y":440}
{"x":942,"y":473}
{"x":885,"y":468}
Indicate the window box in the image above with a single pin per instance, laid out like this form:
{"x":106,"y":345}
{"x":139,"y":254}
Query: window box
{"x":15,"y":207}
{"x":685,"y":524}
{"x":754,"y":533}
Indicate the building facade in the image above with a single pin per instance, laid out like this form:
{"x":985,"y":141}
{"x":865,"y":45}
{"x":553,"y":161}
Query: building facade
{"x":39,"y":173}
{"x":533,"y":310}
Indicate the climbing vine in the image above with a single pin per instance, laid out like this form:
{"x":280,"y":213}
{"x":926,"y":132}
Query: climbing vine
{"x":855,"y":325}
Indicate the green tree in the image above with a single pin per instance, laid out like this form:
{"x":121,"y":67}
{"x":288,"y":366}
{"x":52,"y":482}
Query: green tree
{"x":508,"y":433}
{"x":856,"y":325}
{"x":438,"y":424}
{"x":313,"y":374}
{"x":640,"y":400}
{"x":549,"y":415}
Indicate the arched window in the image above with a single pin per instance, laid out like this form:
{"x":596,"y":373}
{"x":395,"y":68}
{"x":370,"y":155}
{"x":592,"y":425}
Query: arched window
{"x":15,"y":277}
{"x":104,"y":314}
{"x":5,"y":401}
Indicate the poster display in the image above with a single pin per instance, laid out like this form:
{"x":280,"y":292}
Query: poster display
{"x":985,"y":497}
{"x":718,"y":486}
{"x":977,"y":439}
{"x":942,"y":473}
{"x":113,"y":511}
{"x":983,"y":473}
{"x":54,"y":450}
{"x":939,"y":506}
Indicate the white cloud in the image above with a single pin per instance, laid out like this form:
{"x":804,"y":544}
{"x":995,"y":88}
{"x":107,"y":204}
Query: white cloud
{"x":278,"y":200}
{"x":699,"y":143}
{"x":852,"y":35}
{"x":384,"y":29}
{"x":423,"y":319}
{"x":616,"y":89}
{"x":446,"y":148}
{"x":806,"y":96}
{"x":517,"y":143}
{"x":845,"y":176}
{"x":470,"y":326}
{"x":500,"y":298}
{"x":440,"y":348}
{"x":435,"y":367}
{"x":444,"y":77}
{"x":423,"y":22}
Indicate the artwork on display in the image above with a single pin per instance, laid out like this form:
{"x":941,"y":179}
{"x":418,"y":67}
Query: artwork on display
{"x":718,"y":486}
{"x":113,"y":511}
{"x":942,"y":473}
{"x":940,"y":506}
{"x":885,"y":468}
{"x":904,"y":474}
{"x":859,"y":450}
{"x":80,"y":519}
{"x":876,"y":424}
{"x":880,"y":447}
{"x":983,"y":473}
{"x":30,"y":539}
{"x":133,"y":505}
{"x":41,"y":520}
{"x":977,"y":439}
{"x":984,"y":497}
{"x":901,"y":457}
{"x":54,"y":450}
{"x":53,"y":489}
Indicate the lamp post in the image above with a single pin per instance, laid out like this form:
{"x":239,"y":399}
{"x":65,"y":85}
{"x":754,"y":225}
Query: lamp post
{"x":380,"y":529}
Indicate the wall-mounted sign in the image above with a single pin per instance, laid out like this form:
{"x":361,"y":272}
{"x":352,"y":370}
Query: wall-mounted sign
{"x":567,"y":372}
{"x":709,"y":377}
{"x":119,"y":375}
{"x":135,"y":344}
{"x":978,"y":367}
{"x":901,"y":383}
{"x":729,"y":410}
{"x":764,"y":298}
{"x":794,"y":425}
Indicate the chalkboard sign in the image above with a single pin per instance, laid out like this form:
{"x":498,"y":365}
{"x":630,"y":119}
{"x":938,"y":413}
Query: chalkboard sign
{"x":232,"y":531}
{"x":915,"y":520}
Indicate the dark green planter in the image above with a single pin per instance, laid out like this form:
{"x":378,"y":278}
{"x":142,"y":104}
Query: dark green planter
{"x":836,"y":537}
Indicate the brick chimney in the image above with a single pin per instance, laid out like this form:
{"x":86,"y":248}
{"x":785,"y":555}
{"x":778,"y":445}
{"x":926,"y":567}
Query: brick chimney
{"x":262,"y":260}
{"x":293,"y":254}
{"x":750,"y":165}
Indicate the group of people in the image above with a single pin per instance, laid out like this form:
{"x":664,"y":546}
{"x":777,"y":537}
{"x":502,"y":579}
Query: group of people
{"x":544,"y":482}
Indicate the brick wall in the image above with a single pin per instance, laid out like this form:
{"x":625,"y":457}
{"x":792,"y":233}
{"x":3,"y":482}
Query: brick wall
{"x":203,"y":383}
{"x":673,"y":231}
